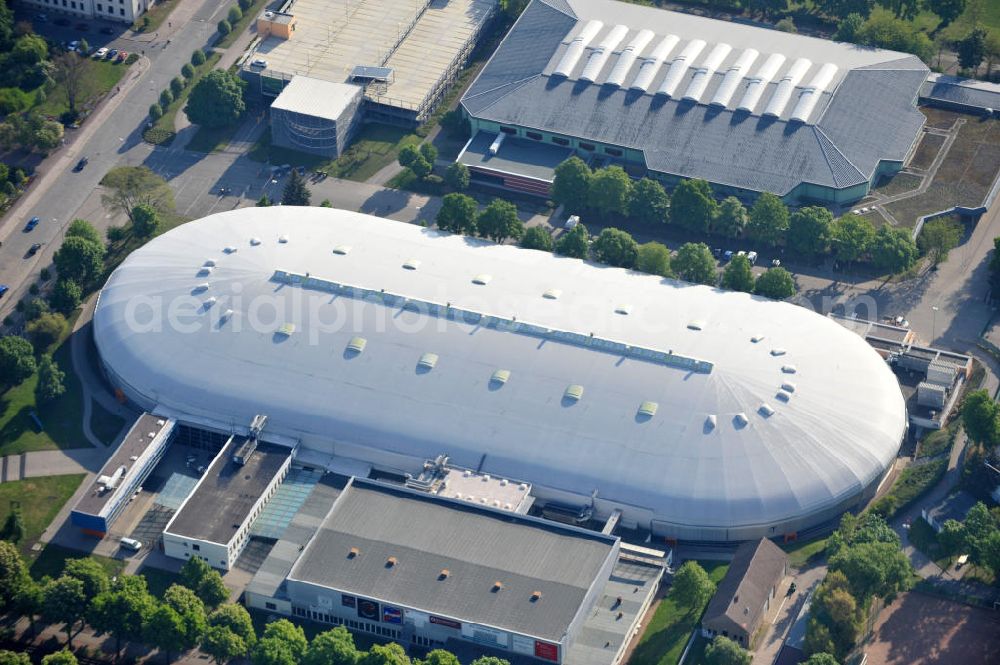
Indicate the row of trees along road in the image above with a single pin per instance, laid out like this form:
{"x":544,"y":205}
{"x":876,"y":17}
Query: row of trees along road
{"x":810,"y":232}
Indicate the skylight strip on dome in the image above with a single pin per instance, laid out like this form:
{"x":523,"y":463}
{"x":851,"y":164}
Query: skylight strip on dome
{"x":651,"y":64}
{"x":628,"y":57}
{"x":786,"y":87}
{"x":502,"y":323}
{"x":759,"y":82}
{"x":704,"y":72}
{"x":600,"y":55}
{"x":734,"y":75}
{"x":576,"y":48}
{"x":812,"y":93}
{"x":679,"y":67}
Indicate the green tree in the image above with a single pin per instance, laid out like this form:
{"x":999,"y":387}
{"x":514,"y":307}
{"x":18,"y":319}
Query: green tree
{"x":821,"y":658}
{"x":187,"y":71}
{"x":122,"y":610}
{"x":13,"y":527}
{"x":980,"y":529}
{"x":81,"y":228}
{"x":654,"y":258}
{"x":46,"y":330}
{"x":691,"y":588}
{"x":775,"y":283}
{"x":223,"y":644}
{"x":47,"y":136}
{"x":440,"y":657}
{"x":853,"y":236}
{"x":893,"y":249}
{"x":197,"y":57}
{"x":65,"y":601}
{"x":166,"y":98}
{"x":731,"y":219}
{"x":938,"y":237}
{"x":63,"y":657}
{"x":428,"y":152}
{"x":818,"y":638}
{"x":234,"y":617}
{"x":385,"y":654}
{"x":499,"y":221}
{"x":14,"y":658}
{"x":610,"y":191}
{"x":50,"y":380}
{"x":73,"y":74}
{"x":191,"y":610}
{"x":336,"y":647}
{"x":874,"y":569}
{"x":952,"y":537}
{"x":849,"y":29}
{"x":234,"y":14}
{"x":489,"y":660}
{"x":947,"y":10}
{"x":738,"y":276}
{"x":421,"y":167}
{"x":723,"y":651}
{"x":981,"y":417}
{"x":263,"y":202}
{"x":216,"y":100}
{"x":457,"y":214}
{"x":17,"y":359}
{"x":176,"y":86}
{"x":616,"y":248}
{"x":66,"y":295}
{"x":809,"y":230}
{"x":224,"y":27}
{"x":571,"y":184}
{"x":693,"y":206}
{"x":296,"y":193}
{"x":80,"y":260}
{"x":165,"y":630}
{"x":694,"y":263}
{"x":407,"y":155}
{"x":283,"y":643}
{"x":574,"y":243}
{"x":536,"y":237}
{"x":457,"y":177}
{"x":769,"y":219}
{"x":129,"y":186}
{"x":767,"y":8}
{"x":145,"y":220}
{"x":650,"y":203}
{"x":972,"y":49}
{"x":884,"y":30}
{"x":13,"y":574}
{"x":326,"y":203}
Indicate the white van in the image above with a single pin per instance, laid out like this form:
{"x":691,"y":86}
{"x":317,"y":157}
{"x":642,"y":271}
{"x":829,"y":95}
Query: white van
{"x":131,"y":544}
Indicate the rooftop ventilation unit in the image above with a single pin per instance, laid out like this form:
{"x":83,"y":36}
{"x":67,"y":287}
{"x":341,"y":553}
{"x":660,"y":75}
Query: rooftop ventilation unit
{"x":552,"y":294}
{"x":710,"y":422}
{"x":651,"y":64}
{"x":812,"y":93}
{"x":697,"y":324}
{"x":500,"y":377}
{"x":766,"y":410}
{"x":427,"y":361}
{"x":283,"y":239}
{"x":353,"y":553}
{"x":209,"y":302}
{"x":535,"y":595}
{"x":412,"y":264}
{"x":759,"y":81}
{"x":228,"y":314}
{"x":778,"y":352}
{"x":789,"y":369}
{"x":497,"y":586}
{"x":342,"y":250}
{"x":628,"y":57}
{"x":205,"y":271}
{"x":445,"y":573}
{"x":286,"y":329}
{"x":757,"y":338}
{"x":576,"y":47}
{"x":229,"y":249}
{"x":788,"y":386}
{"x":734,"y":75}
{"x":786,"y":86}
{"x":600,"y":55}
{"x":202,"y":287}
{"x":648,"y":409}
{"x":255,"y":241}
{"x":704,"y":72}
{"x":573,"y":392}
{"x":497,"y":142}
{"x":391,"y":562}
{"x":783,"y":395}
{"x":357,"y":344}
{"x":482,"y":279}
{"x":679,"y":67}
{"x":209,"y":263}
{"x":740,"y":420}
{"x":624,"y":309}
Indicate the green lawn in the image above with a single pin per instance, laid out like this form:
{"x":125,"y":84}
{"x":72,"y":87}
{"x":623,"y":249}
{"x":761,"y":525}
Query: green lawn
{"x":806,"y":552}
{"x":101,"y":76}
{"x":51,"y":561}
{"x":156,"y":14}
{"x":40,"y":499}
{"x":667,"y":632}
{"x":162,"y":132}
{"x":373,"y":148}
{"x":938,"y":441}
{"x":911,"y":483}
{"x":62,"y":418}
{"x":105,"y":424}
{"x":249,"y":16}
{"x":211,"y":139}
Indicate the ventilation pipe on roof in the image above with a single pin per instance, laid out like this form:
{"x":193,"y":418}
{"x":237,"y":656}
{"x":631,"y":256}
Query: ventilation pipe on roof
{"x":704,"y":73}
{"x":651,"y":63}
{"x":759,"y":82}
{"x":811,"y":95}
{"x":600,"y":55}
{"x":679,"y":67}
{"x":733,"y":76}
{"x":786,"y":86}
{"x":628,"y":57}
{"x":576,"y":47}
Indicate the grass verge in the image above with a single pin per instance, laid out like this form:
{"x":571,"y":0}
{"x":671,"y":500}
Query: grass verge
{"x":939,"y":441}
{"x":373,"y":148}
{"x":805,"y":553}
{"x":156,"y":15}
{"x":912,"y":482}
{"x":40,"y":499}
{"x":162,"y":131}
{"x":51,"y":561}
{"x":249,"y":16}
{"x":668,"y":630}
{"x":921,"y":535}
{"x":99,"y":77}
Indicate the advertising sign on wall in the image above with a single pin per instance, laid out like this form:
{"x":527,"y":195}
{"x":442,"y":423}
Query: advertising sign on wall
{"x":522,"y":644}
{"x":486,"y":635}
{"x":546,"y":651}
{"x":348,"y":601}
{"x":368,"y":609}
{"x":448,"y":623}
{"x":392,"y":614}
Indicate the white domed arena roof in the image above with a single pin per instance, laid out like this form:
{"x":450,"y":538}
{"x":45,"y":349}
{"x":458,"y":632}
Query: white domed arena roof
{"x":701,"y":409}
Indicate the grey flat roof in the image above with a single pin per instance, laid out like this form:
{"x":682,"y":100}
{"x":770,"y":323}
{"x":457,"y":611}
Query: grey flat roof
{"x":227,"y":492}
{"x":864,"y":115}
{"x":516,"y":156}
{"x":478,"y":546}
{"x":134,"y":445}
{"x":962,"y":91}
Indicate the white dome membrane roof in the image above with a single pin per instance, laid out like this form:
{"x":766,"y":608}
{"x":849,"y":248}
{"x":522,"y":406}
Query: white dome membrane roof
{"x":722,"y":448}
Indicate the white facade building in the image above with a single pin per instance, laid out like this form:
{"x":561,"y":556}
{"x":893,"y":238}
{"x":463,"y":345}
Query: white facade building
{"x":122,"y":11}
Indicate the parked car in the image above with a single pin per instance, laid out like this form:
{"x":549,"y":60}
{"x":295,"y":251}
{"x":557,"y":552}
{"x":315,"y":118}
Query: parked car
{"x":727,"y":256}
{"x":3,"y":289}
{"x":131,"y":544}
{"x":34,"y":249}
{"x":259,"y":63}
{"x":572,"y":222}
{"x":80,"y":165}
{"x":775,"y":263}
{"x":101,"y":52}
{"x":32,"y":223}
{"x":112,"y":54}
{"x":752,"y":258}
{"x":73,"y":45}
{"x":121,"y":56}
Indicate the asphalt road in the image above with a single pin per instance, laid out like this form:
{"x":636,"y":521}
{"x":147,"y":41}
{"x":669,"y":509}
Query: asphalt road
{"x":107,"y":142}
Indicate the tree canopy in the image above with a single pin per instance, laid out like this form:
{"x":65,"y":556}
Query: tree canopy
{"x":768,"y":221}
{"x":296,"y":193}
{"x":616,"y":248}
{"x":80,"y":260}
{"x":654,"y":258}
{"x":731,"y":219}
{"x":738,"y":276}
{"x":537,"y":237}
{"x":131,"y":186}
{"x":610,"y":191}
{"x":938,"y":237}
{"x":724,"y":651}
{"x":693,"y":205}
{"x":499,"y":221}
{"x":852,"y":237}
{"x":571,"y":184}
{"x":145,"y":220}
{"x":809,"y":230}
{"x":981,"y":417}
{"x":216,"y":100}
{"x":775,"y":283}
{"x":694,"y":263}
{"x":650,"y":202}
{"x":457,"y":214}
{"x":893,"y":249}
{"x":692,"y":588}
{"x":575,"y":243}
{"x":17,"y":359}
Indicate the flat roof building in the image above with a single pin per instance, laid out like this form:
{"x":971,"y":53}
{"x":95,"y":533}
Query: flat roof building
{"x":123,"y":474}
{"x":701,"y":414}
{"x":675,"y":96}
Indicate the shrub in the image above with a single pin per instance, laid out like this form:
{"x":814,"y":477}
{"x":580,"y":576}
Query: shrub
{"x":198,"y":57}
{"x":224,"y":28}
{"x":45,"y":274}
{"x":157,"y":136}
{"x":132,"y":57}
{"x":234,"y":14}
{"x":166,"y":97}
{"x":187,"y":71}
{"x":176,"y":86}
{"x":155,"y":112}
{"x":245,"y":4}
